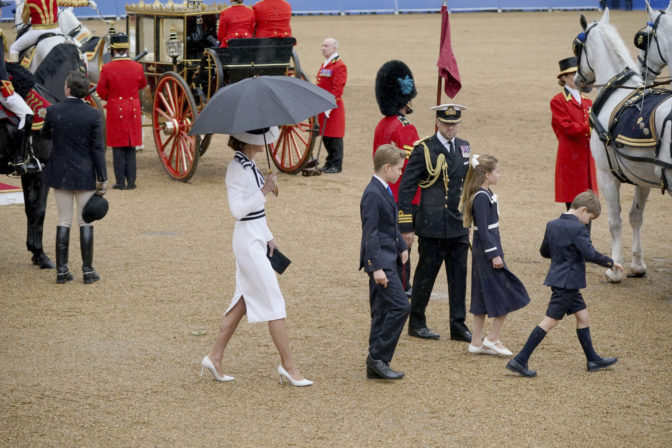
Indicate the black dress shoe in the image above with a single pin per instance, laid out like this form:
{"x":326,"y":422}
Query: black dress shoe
{"x":377,"y":369}
{"x":131,"y":187}
{"x":422,"y":333}
{"x":515,"y":366}
{"x":460,"y":334}
{"x":118,"y":187}
{"x":331,"y":170}
{"x":43,"y":261}
{"x":594,"y":366}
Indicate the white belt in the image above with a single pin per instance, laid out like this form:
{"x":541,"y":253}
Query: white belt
{"x":491,"y":226}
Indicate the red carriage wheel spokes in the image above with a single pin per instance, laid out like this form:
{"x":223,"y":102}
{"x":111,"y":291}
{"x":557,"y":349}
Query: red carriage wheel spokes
{"x":292,"y":150}
{"x":173,"y":114}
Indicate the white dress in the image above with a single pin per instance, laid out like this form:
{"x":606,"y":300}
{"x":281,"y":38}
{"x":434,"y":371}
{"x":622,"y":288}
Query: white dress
{"x":255,"y":278}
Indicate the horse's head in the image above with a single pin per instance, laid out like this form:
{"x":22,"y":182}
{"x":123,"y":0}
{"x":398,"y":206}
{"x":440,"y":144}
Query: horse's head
{"x":585,"y":75}
{"x":653,"y":42}
{"x":68,"y":22}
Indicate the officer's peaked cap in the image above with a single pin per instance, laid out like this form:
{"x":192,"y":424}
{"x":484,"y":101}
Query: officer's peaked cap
{"x":395,"y":87}
{"x":119,"y":40}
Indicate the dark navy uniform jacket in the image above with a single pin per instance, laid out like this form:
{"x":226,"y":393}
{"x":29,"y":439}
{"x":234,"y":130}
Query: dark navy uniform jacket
{"x":382,"y":243}
{"x":567,"y":244}
{"x":438,"y":213}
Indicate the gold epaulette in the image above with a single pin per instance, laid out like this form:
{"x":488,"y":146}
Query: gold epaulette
{"x":404,"y":218}
{"x":433,"y":171}
{"x":417,"y":142}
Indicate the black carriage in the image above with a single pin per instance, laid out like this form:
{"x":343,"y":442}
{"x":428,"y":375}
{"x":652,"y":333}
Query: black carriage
{"x":184,"y":68}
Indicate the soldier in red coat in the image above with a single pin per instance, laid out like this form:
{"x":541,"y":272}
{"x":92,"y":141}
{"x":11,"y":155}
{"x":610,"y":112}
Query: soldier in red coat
{"x":574,"y":165}
{"x":120,"y":83}
{"x":272,"y":18}
{"x":395,"y":88}
{"x":332,"y":77}
{"x":235,"y":22}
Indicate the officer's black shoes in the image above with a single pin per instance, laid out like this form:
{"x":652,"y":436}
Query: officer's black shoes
{"x":377,"y":369}
{"x":422,"y":333}
{"x":331,"y":170}
{"x":594,"y":366}
{"x":460,"y":333}
{"x":520,"y":369}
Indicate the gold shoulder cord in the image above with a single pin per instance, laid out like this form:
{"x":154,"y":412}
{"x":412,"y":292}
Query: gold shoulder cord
{"x":434,"y":172}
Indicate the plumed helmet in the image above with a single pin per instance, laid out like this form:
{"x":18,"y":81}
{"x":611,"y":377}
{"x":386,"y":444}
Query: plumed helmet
{"x":95,"y":209}
{"x":395,"y":87}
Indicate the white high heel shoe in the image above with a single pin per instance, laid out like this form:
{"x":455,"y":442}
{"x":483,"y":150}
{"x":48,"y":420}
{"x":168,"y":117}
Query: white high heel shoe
{"x":207,"y":364}
{"x":300,"y":383}
{"x":493,"y":346}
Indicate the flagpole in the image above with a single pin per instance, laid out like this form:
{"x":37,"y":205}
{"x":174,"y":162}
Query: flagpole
{"x":438,"y":84}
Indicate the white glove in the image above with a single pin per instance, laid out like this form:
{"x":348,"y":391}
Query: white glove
{"x":101,"y":188}
{"x":93,"y":4}
{"x":326,"y":113}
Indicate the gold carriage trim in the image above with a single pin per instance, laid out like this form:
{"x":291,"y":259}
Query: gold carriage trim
{"x":188,"y":6}
{"x":404,"y":218}
{"x":434,"y":171}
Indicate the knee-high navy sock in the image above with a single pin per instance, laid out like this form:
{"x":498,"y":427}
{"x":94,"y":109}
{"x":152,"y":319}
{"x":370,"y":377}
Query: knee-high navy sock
{"x":535,"y":339}
{"x":587,"y":344}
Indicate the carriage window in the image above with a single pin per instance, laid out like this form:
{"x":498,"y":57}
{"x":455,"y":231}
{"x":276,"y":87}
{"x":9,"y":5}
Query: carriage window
{"x":131,"y":26}
{"x":146,"y":36}
{"x":165,"y":35}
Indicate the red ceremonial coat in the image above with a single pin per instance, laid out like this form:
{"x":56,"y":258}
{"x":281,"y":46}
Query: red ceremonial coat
{"x":332,"y":78}
{"x":396,"y":129}
{"x":43,"y":14}
{"x":235,"y":22}
{"x":272,"y":18}
{"x":574,"y":165}
{"x":120,"y":82}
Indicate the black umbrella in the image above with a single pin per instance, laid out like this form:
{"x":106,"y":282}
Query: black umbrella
{"x":260,"y":102}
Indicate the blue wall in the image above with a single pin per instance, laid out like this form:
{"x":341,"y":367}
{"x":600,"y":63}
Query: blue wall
{"x":110,"y":8}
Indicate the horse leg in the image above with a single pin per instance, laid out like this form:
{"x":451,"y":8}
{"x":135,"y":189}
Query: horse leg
{"x":637,"y":265}
{"x":35,"y":191}
{"x":610,"y":189}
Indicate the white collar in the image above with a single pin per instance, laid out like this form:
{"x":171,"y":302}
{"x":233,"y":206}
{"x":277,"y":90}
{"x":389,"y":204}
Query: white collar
{"x":575,"y":93}
{"x":381,"y":181}
{"x":329,"y":59}
{"x":445,"y":141}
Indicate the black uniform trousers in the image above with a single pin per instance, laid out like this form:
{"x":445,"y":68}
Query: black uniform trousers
{"x":432,"y":252}
{"x":389,"y":310}
{"x":334,"y":147}
{"x":125,"y":165}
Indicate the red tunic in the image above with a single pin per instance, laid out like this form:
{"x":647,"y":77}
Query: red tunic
{"x":235,"y":22}
{"x":574,"y":165}
{"x":332,"y":78}
{"x":272,"y":17}
{"x":396,"y":129}
{"x":120,"y":82}
{"x":44,"y":13}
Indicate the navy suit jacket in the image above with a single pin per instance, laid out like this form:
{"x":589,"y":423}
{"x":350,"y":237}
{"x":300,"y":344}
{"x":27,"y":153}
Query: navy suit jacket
{"x":382,"y":243}
{"x":78,"y":156}
{"x":567,"y":244}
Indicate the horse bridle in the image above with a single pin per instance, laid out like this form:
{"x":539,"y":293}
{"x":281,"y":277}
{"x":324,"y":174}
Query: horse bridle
{"x":579,"y":48}
{"x":644,"y":38}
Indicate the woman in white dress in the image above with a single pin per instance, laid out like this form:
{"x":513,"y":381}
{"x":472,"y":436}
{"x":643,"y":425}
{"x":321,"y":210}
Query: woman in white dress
{"x":257,"y":291}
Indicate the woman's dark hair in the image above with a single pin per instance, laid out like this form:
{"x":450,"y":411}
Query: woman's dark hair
{"x":78,"y":84}
{"x":236,"y":144}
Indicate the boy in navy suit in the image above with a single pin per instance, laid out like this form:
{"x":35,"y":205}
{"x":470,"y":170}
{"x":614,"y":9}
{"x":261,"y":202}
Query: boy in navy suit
{"x":567,"y":244}
{"x":383,"y":252}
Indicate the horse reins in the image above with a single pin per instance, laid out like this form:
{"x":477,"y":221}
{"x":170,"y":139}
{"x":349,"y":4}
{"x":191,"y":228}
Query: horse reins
{"x":642,"y":40}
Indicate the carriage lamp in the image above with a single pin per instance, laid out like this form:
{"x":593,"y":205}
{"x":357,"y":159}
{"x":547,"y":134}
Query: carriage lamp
{"x":173,"y":46}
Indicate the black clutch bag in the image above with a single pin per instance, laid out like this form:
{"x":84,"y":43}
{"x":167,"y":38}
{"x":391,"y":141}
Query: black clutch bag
{"x":278,"y":260}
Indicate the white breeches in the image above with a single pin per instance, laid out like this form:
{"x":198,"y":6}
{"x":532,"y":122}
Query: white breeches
{"x":26,"y":41}
{"x":18,"y":107}
{"x":65,"y":202}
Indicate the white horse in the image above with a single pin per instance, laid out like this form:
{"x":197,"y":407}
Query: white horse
{"x":95,"y":47}
{"x":655,"y":43}
{"x":603,"y":58}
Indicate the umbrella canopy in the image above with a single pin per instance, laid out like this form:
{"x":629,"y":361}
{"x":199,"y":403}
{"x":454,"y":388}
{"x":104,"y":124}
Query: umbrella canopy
{"x":260,"y":102}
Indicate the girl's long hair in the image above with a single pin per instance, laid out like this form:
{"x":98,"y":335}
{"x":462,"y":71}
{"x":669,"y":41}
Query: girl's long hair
{"x":472,"y":183}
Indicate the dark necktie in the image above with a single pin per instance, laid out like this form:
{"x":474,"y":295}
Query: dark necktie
{"x":452,"y":147}
{"x":390,"y":191}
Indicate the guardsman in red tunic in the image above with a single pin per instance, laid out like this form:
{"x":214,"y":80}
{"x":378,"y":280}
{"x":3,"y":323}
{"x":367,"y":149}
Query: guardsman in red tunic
{"x":42,"y":16}
{"x":574,"y":165}
{"x":395,"y":88}
{"x":332,"y":77}
{"x":235,"y":22}
{"x":272,"y":18}
{"x":120,"y":83}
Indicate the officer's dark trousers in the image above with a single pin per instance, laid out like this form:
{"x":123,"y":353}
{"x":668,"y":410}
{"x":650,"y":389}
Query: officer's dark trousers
{"x":124,"y":165}
{"x":334,"y":147}
{"x":389,"y":310}
{"x":432,"y":253}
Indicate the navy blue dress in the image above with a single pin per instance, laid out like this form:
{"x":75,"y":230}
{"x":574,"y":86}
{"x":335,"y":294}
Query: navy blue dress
{"x":495,"y":292}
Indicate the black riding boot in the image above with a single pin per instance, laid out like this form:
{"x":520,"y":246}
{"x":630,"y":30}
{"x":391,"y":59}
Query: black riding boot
{"x":62,"y":243}
{"x":23,"y":163}
{"x":86,"y":243}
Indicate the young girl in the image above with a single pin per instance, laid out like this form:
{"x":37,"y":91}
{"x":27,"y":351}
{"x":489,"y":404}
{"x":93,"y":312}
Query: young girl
{"x":495,"y":291}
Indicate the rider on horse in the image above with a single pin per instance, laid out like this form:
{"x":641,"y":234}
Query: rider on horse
{"x":13,"y":102}
{"x":42,"y":15}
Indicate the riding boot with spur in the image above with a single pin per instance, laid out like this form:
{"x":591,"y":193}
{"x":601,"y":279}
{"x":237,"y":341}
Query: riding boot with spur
{"x":23,"y":163}
{"x":86,"y":243}
{"x":63,"y":275}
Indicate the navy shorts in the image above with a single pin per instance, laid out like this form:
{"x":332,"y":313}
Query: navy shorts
{"x":564,"y":301}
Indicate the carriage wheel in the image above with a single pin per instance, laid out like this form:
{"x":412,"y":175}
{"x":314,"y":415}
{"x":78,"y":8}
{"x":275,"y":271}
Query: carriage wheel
{"x":294,"y":146}
{"x":294,"y":68}
{"x":173,"y":114}
{"x":205,"y":143}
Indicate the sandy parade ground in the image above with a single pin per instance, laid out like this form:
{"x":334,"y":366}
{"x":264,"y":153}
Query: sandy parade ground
{"x":116,"y":363}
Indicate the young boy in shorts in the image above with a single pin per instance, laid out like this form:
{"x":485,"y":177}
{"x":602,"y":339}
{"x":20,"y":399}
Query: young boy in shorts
{"x":567,"y":244}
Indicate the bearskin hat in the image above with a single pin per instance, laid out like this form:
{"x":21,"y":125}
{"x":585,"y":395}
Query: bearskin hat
{"x":21,"y":78}
{"x":395,"y":87}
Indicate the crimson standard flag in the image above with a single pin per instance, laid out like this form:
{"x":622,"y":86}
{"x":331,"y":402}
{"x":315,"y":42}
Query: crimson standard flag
{"x":447,"y":64}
